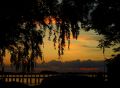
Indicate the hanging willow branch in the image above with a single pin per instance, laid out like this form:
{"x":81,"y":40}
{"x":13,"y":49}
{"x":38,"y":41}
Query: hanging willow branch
{"x":24,"y":23}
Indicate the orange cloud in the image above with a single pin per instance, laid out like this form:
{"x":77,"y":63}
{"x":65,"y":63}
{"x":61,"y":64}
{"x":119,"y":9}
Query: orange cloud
{"x":88,"y":68}
{"x":50,"y":20}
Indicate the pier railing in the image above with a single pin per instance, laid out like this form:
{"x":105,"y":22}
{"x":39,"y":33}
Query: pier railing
{"x":36,"y":78}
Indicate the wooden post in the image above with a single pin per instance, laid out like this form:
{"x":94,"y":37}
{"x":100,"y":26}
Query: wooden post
{"x":39,"y":79}
{"x":8,"y":77}
{"x":35,"y":79}
{"x":30,"y":79}
{"x":11,"y":78}
{"x":19,"y":78}
{"x":27,"y":79}
{"x":15,"y":77}
{"x":23,"y":78}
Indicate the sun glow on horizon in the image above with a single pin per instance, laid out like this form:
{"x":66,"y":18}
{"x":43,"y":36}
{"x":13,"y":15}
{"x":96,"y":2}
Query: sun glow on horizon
{"x":84,"y":48}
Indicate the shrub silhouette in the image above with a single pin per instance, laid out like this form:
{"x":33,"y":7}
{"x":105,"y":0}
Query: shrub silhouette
{"x":113,"y":65}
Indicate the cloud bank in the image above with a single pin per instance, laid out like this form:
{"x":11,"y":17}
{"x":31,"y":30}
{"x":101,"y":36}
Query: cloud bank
{"x":70,"y":66}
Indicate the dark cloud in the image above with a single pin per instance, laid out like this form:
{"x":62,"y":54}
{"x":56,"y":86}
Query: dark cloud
{"x":93,"y":37}
{"x":89,"y":46}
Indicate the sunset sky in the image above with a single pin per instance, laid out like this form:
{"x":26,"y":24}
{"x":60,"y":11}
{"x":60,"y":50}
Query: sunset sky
{"x":84,"y":48}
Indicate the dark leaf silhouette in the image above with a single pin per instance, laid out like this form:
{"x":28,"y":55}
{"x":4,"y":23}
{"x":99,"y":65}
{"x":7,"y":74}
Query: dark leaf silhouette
{"x":23,"y":25}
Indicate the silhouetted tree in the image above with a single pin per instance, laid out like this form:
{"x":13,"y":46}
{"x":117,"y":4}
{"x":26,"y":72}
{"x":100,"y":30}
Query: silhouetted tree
{"x":23,"y":24}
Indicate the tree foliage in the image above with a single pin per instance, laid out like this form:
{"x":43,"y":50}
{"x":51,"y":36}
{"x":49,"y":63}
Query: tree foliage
{"x":23,"y":24}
